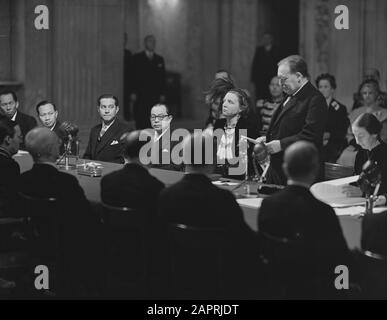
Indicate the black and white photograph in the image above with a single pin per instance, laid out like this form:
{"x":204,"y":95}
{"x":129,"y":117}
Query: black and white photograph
{"x":193,"y":157}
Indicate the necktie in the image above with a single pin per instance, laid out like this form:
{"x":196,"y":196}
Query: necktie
{"x":102,"y":132}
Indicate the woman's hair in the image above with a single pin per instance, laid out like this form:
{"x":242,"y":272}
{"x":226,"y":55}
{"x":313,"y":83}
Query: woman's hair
{"x":218,"y":89}
{"x":243,"y":98}
{"x":370,"y":83}
{"x":369,"y":122}
{"x":327,"y":76}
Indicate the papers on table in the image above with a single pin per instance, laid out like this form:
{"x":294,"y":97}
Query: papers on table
{"x":331,"y":192}
{"x":254,"y":203}
{"x":356,"y":210}
{"x":225,"y":183}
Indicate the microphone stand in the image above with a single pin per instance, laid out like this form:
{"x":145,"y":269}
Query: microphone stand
{"x":66,"y":153}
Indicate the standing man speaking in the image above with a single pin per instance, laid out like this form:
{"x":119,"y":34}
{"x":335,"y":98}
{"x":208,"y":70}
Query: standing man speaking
{"x":301,"y":116}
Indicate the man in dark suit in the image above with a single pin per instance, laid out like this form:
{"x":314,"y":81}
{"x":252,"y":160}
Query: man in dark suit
{"x":9,"y":104}
{"x":302,"y":116}
{"x":148,"y":82}
{"x":373,"y":236}
{"x":10,"y":138}
{"x":105,"y":139}
{"x":79,"y":227}
{"x":264,"y":66}
{"x":196,"y":202}
{"x":132,"y":186}
{"x":295,"y":214}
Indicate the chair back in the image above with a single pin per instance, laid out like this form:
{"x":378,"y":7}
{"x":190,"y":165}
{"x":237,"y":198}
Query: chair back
{"x":337,"y":171}
{"x":127,"y":248}
{"x":197,"y":260}
{"x":373,"y":279}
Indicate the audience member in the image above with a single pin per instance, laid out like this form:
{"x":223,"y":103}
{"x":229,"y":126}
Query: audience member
{"x":10,"y":104}
{"x":268,"y":106}
{"x":334,"y":140}
{"x":10,"y":138}
{"x":264,"y":66}
{"x":295,"y":214}
{"x":148,"y":82}
{"x":104,"y":141}
{"x":77,"y":238}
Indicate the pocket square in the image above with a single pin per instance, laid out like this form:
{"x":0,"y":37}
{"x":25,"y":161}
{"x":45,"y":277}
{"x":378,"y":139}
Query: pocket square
{"x":114,"y":142}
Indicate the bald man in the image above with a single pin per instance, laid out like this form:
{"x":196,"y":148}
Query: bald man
{"x":295,"y":214}
{"x":75,"y":218}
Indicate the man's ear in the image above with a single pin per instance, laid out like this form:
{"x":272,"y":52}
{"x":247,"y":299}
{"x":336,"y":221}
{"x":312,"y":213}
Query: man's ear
{"x":285,"y":168}
{"x":17,"y":104}
{"x":7,"y":140}
{"x":118,"y":109}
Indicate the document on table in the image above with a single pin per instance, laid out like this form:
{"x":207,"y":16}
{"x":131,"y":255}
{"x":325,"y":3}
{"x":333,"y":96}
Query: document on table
{"x":356,"y":210}
{"x":332,"y":193}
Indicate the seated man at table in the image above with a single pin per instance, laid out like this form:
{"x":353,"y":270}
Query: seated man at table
{"x":10,"y":138}
{"x":132,"y":186}
{"x":295,"y":214}
{"x":104,"y":141}
{"x":196,"y":202}
{"x":79,"y":226}
{"x":162,"y":145}
{"x":9,"y":105}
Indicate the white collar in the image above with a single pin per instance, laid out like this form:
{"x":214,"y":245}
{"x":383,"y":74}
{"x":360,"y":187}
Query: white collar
{"x":14,"y":116}
{"x":107,"y":126}
{"x":52,"y":128}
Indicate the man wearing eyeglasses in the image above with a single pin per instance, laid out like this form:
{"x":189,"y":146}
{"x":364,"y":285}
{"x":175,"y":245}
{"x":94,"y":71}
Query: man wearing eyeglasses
{"x":162,"y":147}
{"x":105,"y":138}
{"x":302,"y":116}
{"x":9,"y":105}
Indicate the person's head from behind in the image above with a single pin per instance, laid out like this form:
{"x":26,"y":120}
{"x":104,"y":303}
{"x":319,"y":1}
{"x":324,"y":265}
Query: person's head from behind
{"x":235,"y":102}
{"x":47,"y":113}
{"x":9,"y":103}
{"x":150,"y":43}
{"x":366,"y":129}
{"x":369,"y":92}
{"x":224,"y":74}
{"x":275,"y":88}
{"x":10,"y":135}
{"x":198,"y":153}
{"x":215,"y":94}
{"x":132,"y":146}
{"x":326,"y":84}
{"x":292,"y":73}
{"x":107,"y":106}
{"x":301,"y":162}
{"x":42,"y":144}
{"x":160,"y":117}
{"x":371,"y":74}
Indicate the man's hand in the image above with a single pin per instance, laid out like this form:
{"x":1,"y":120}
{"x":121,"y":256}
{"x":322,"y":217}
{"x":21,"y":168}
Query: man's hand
{"x":380,"y":201}
{"x":260,"y":140}
{"x":273,"y":146}
{"x":260,"y":103}
{"x":326,"y":137}
{"x":352,"y":191}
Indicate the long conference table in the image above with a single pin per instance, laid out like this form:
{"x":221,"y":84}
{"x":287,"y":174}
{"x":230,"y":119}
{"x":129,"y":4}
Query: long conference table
{"x":350,"y":223}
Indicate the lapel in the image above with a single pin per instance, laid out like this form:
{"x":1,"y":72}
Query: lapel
{"x":107,"y":136}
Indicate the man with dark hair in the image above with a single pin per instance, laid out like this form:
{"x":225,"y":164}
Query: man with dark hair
{"x":302,"y":116}
{"x":294,"y":213}
{"x":148,"y":82}
{"x":48,"y":115}
{"x":104,"y":141}
{"x":10,"y":104}
{"x":132,"y":186}
{"x":10,"y":138}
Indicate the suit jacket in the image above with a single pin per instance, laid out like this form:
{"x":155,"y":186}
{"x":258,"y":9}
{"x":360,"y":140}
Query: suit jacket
{"x":253,"y":125}
{"x":78,"y":227}
{"x":132,"y":186}
{"x":302,"y":118}
{"x":10,"y":174}
{"x":373,"y":236}
{"x":294,"y":211}
{"x":108,"y":148}
{"x":148,"y":75}
{"x":337,"y":127}
{"x":26,"y":123}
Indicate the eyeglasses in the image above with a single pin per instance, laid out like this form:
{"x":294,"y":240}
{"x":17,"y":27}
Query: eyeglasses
{"x":158,"y":117}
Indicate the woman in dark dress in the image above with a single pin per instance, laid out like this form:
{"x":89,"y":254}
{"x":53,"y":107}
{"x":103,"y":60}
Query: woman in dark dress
{"x":232,"y":149}
{"x":366,"y":129}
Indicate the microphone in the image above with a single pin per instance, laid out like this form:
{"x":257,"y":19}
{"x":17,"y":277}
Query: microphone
{"x":68,"y":130}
